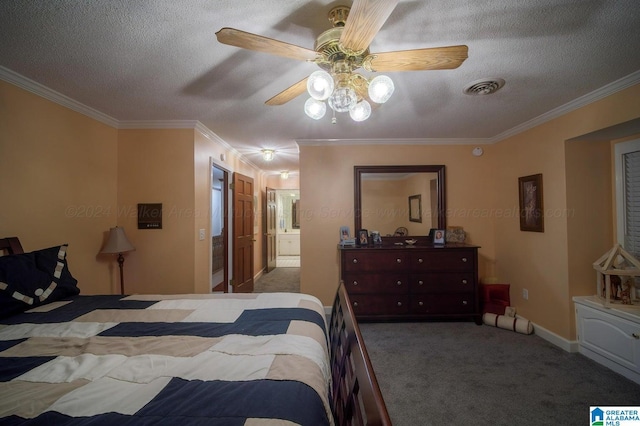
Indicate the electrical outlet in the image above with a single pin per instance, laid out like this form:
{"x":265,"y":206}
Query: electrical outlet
{"x":525,"y":294}
{"x":201,"y":234}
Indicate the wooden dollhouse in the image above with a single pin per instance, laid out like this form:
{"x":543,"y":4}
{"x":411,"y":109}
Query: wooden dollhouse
{"x":616,"y":272}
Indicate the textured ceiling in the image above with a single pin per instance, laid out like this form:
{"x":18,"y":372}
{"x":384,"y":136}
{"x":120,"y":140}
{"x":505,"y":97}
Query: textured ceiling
{"x":137,"y":60}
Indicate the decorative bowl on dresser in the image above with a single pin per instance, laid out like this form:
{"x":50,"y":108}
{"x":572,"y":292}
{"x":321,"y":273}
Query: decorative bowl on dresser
{"x":417,"y":282}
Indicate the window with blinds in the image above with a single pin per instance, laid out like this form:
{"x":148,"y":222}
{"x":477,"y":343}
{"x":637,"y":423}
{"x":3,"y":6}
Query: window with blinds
{"x":631,"y":168}
{"x":627,"y":160}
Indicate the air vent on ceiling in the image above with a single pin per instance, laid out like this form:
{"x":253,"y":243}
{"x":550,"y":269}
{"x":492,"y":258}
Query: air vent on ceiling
{"x":484,"y":86}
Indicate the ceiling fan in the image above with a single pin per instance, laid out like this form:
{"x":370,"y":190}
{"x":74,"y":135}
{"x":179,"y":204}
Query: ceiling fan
{"x":339,"y":52}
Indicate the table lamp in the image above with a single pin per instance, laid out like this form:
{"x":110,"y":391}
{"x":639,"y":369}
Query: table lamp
{"x":118,"y":243}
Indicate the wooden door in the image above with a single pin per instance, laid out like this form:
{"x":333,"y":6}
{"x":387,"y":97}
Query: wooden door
{"x":242,"y":234}
{"x":270,"y":233}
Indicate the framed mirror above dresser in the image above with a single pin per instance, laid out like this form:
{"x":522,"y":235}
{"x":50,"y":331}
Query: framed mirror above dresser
{"x":407,"y":277}
{"x":385,"y":199}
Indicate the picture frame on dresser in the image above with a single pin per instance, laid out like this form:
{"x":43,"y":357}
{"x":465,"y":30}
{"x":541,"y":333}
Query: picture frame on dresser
{"x":439,"y":237}
{"x":363,"y":237}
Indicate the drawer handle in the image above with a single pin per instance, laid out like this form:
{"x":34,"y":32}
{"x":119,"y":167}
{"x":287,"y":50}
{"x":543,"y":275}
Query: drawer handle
{"x":399,"y":303}
{"x":355,"y":283}
{"x":355,"y":260}
{"x":636,"y":335}
{"x":464,"y":302}
{"x":399,"y":260}
{"x":420,"y":282}
{"x":421,"y":303}
{"x":464,"y":259}
{"x":420,"y":260}
{"x":355,"y":303}
{"x":464,"y":281}
{"x":399,"y":282}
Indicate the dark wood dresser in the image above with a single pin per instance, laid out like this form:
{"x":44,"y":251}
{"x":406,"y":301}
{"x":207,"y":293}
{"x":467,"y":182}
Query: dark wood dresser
{"x":412,"y":282}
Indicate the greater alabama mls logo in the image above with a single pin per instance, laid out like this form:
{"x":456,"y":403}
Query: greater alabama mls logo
{"x":615,"y":416}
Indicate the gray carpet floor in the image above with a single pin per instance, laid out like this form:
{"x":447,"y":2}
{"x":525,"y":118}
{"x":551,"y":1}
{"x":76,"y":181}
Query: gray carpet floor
{"x":278,"y":280}
{"x":459,"y":373}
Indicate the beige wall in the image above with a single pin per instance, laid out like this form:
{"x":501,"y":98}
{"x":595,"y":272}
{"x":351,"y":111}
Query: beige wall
{"x":173,"y":167}
{"x":68,"y":178}
{"x":482,"y":197}
{"x":157,"y":166}
{"x":58,"y":183}
{"x":328,"y":200}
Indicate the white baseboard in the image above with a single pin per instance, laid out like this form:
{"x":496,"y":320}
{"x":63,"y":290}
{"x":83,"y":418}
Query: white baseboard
{"x":553,"y":338}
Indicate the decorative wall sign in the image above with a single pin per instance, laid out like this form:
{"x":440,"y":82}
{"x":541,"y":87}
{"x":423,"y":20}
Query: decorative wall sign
{"x":150,"y":216}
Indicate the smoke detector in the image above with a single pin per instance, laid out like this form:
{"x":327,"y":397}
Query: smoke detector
{"x":484,"y":86}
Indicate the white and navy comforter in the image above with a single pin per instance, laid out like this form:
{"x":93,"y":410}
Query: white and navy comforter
{"x":255,"y":359}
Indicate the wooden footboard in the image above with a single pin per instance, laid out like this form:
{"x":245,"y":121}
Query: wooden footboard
{"x":356,"y":398}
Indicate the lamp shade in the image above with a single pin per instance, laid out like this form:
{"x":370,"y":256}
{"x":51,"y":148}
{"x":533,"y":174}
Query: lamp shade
{"x":117,"y":242}
{"x":380,"y":89}
{"x":320,"y":85}
{"x":315,"y":108}
{"x":361,"y":111}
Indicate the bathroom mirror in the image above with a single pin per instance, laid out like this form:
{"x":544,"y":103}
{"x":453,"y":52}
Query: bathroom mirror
{"x":386,"y":199}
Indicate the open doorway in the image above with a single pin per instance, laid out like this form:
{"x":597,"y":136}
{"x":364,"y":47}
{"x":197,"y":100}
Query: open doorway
{"x":288,"y":228}
{"x":219,"y":230}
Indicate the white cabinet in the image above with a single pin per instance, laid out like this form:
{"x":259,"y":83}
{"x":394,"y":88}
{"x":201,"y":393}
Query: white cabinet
{"x":289,"y":244}
{"x":610,"y":336}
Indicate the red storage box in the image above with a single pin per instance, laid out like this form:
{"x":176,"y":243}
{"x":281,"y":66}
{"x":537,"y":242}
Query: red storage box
{"x":494,"y":298}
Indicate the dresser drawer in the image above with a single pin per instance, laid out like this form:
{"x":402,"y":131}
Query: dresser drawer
{"x":376,"y":283}
{"x":454,"y":303}
{"x":444,"y":282}
{"x":379,"y":304}
{"x":451,"y":260}
{"x":369,"y":261}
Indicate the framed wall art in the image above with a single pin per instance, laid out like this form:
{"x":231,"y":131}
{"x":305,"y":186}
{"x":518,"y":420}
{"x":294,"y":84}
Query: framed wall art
{"x":415,"y":208}
{"x":531,"y":208}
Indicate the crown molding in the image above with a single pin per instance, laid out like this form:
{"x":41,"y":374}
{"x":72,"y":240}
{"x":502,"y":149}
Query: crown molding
{"x":395,"y":141}
{"x":157,"y":124}
{"x":63,"y":100}
{"x":47,"y":93}
{"x":185,"y":124}
{"x":598,"y":94}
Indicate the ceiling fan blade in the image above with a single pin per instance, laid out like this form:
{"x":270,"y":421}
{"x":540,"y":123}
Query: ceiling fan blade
{"x":249,"y":41}
{"x":288,"y":94}
{"x":365,"y":19}
{"x":436,"y":58}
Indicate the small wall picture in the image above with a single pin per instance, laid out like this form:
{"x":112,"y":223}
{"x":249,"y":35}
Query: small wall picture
{"x":530,"y":191}
{"x":438,"y":236}
{"x":363,"y":237}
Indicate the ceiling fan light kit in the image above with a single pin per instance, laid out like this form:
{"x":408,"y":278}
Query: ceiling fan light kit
{"x":339,"y":52}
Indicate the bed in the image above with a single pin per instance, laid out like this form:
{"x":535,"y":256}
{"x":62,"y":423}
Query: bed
{"x":228,"y":359}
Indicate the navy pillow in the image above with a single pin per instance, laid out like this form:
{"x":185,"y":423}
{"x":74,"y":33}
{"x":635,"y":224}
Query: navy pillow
{"x":31,"y":279}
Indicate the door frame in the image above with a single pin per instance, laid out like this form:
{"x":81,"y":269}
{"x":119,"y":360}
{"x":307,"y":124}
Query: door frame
{"x":270,"y":240}
{"x":226,"y":208}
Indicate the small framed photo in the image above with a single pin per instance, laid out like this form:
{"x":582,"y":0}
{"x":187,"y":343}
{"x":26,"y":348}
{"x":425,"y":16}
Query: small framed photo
{"x":438,"y":236}
{"x":344,"y":233}
{"x":363,"y":237}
